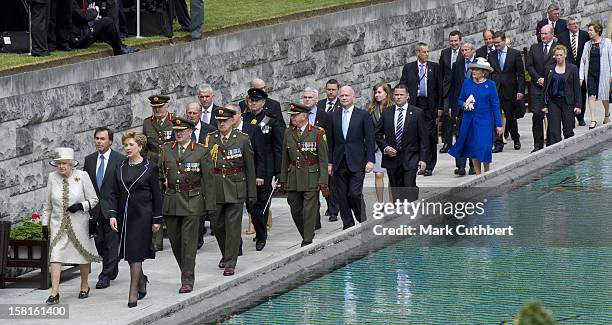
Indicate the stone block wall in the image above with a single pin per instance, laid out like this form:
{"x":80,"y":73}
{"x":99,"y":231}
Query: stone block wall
{"x":61,"y":106}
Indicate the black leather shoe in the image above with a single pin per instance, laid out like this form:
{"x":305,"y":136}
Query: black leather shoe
{"x":421,"y":172}
{"x":460,"y":171}
{"x":103,"y":283}
{"x":517,"y":145}
{"x":445,"y":148}
{"x":581,"y":123}
{"x":37,"y":54}
{"x":255,"y":239}
{"x":317,"y":227}
{"x":472,"y":171}
{"x":240,"y":251}
{"x":259,"y":246}
{"x":132,"y":304}
{"x":333,"y":218}
{"x":305,"y":244}
{"x":327,"y":214}
{"x":84,"y":294}
{"x":428,"y":172}
{"x":498,"y":149}
{"x":126,"y":50}
{"x":537,"y":148}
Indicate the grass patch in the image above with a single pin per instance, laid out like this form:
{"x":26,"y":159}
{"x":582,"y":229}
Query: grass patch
{"x":218,"y":14}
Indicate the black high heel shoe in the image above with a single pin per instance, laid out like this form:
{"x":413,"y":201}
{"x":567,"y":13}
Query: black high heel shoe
{"x":84,"y":294}
{"x":143,"y":294}
{"x":53,"y":300}
{"x":132,"y":304}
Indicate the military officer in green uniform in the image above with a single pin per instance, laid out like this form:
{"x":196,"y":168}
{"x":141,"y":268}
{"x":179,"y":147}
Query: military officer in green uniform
{"x":188,"y":193}
{"x":304,"y":170}
{"x":233,"y":168}
{"x":158,"y":130}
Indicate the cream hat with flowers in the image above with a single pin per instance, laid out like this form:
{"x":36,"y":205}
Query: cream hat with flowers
{"x":63,"y":154}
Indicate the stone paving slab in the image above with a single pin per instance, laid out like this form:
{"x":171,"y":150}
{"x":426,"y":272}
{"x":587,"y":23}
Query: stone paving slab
{"x":255,"y":270}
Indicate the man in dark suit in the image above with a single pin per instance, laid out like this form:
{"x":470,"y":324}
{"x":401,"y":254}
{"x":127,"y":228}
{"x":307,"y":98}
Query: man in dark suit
{"x":460,"y":72}
{"x":271,"y":107}
{"x":101,"y":166}
{"x":448,"y":56}
{"x":201,"y":130}
{"x":60,"y":24}
{"x":402,"y":137}
{"x":271,"y":149}
{"x":559,"y":25}
{"x":331,"y":102}
{"x":424,"y":81}
{"x":488,"y":47}
{"x":509,"y":76}
{"x":539,"y":57}
{"x":351,"y":155}
{"x":39,"y":20}
{"x":574,"y":39}
{"x":318,"y":117}
{"x":206,"y":96}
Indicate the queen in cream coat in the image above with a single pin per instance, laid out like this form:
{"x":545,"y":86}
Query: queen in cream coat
{"x":69,"y":196}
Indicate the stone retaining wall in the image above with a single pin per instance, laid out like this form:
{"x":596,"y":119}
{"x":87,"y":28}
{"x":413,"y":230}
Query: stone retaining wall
{"x":61,"y":106}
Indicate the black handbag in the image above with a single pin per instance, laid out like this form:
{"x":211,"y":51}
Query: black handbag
{"x":93,"y":227}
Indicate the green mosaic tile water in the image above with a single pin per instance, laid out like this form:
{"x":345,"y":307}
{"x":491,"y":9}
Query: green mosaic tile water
{"x":486,"y":284}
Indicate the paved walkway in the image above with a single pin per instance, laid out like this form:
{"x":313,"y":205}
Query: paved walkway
{"x":109,"y":305}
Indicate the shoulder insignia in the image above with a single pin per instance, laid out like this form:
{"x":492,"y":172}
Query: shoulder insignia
{"x":173,"y":145}
{"x":170,"y":117}
{"x":324,"y":137}
{"x":192,"y":146}
{"x":309,"y":127}
{"x":206,"y":141}
{"x":254,"y":121}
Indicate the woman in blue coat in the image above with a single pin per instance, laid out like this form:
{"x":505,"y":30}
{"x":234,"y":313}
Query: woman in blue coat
{"x":480,"y":103}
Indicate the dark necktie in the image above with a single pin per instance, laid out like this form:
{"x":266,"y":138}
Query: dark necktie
{"x":100,"y":172}
{"x":574,"y":47}
{"x":399,"y":127}
{"x":545,"y":49}
{"x":330,"y":106}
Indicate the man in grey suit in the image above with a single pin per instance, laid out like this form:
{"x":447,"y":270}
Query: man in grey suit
{"x":101,"y":166}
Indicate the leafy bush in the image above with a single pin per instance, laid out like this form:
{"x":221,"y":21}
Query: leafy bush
{"x":29,"y":228}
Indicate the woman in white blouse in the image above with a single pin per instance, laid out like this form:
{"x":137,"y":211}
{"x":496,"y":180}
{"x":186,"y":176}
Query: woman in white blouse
{"x":70,"y":194}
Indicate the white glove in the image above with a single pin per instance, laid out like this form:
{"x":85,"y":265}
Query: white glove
{"x":469,"y":103}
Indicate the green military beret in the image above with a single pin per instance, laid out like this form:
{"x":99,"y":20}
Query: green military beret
{"x":182,"y":123}
{"x":158,"y":100}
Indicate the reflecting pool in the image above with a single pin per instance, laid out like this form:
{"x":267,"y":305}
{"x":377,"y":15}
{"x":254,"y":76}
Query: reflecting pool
{"x":563,"y":258}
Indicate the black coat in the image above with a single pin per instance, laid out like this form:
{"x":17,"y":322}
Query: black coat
{"x":537,"y":63}
{"x":80,"y":21}
{"x":457,"y":79}
{"x":445,"y":67}
{"x":410,"y":77}
{"x":573,"y":96}
{"x":322,"y":119}
{"x":322,"y":105}
{"x":108,"y":182}
{"x":137,"y":207}
{"x":482,"y":52}
{"x":271,"y":145}
{"x":257,"y":139}
{"x":565,"y":39}
{"x":415,"y":139}
{"x":273,"y":108}
{"x":205,"y":129}
{"x":560,"y":27}
{"x":358,"y":147}
{"x":510,"y":80}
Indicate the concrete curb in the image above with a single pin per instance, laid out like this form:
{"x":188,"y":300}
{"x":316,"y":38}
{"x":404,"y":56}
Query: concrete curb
{"x":284,"y":272}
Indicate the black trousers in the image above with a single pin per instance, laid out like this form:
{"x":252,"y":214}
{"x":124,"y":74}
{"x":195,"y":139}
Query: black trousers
{"x":60,"y":24}
{"x":403,"y":183}
{"x":40,"y":20}
{"x":536,"y":104}
{"x":432,"y":128}
{"x":107,"y":243}
{"x":349,"y":186}
{"x":182,"y":15}
{"x":104,"y":30}
{"x":331,"y":200}
{"x":447,"y":128}
{"x":509,"y":108}
{"x":258,"y":214}
{"x":559,"y":112}
{"x":114,"y":11}
{"x":580,"y":117}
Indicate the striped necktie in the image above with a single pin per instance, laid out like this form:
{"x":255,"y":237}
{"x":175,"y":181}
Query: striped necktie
{"x":399,"y":127}
{"x":574,"y":47}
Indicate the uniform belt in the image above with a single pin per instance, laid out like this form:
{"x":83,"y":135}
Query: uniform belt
{"x":228,"y":171}
{"x":184,"y":186}
{"x":305,"y":162}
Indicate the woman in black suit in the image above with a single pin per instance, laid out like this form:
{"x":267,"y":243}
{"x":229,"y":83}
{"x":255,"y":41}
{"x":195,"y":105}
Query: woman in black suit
{"x":135,"y":211}
{"x":562,"y":98}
